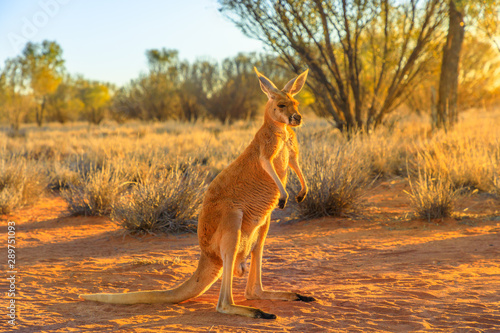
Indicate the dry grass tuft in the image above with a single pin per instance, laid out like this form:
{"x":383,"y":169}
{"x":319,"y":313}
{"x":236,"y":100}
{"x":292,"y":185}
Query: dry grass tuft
{"x":61,"y":177}
{"x":21,"y":183}
{"x":432,"y":196}
{"x":496,"y":183}
{"x":466,"y":162}
{"x":95,"y":192}
{"x":336,"y":177}
{"x":90,"y":166}
{"x":167,"y":201}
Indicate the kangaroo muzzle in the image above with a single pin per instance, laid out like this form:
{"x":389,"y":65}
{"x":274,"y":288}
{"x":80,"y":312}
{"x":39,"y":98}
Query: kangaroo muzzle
{"x":295,"y":119}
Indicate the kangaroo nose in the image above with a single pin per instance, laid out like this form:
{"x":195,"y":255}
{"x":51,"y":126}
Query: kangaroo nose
{"x":295,"y":118}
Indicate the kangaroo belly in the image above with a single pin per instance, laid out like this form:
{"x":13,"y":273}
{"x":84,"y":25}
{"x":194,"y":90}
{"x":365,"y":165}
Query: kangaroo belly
{"x":244,"y":186}
{"x":250,"y":235}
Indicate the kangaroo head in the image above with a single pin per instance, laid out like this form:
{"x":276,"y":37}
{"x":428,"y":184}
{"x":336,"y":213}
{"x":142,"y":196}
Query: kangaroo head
{"x":281,"y":106}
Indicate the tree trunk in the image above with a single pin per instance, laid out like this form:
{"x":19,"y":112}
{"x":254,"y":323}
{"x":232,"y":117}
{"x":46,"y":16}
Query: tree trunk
{"x":16,"y":124}
{"x":40,"y":112}
{"x":447,"y":113}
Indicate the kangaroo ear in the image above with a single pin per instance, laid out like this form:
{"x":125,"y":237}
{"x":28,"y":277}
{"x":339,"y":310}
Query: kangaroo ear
{"x":267,"y":86}
{"x":294,"y":86}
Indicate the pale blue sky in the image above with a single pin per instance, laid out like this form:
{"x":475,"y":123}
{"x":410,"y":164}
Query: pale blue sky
{"x":106,"y":39}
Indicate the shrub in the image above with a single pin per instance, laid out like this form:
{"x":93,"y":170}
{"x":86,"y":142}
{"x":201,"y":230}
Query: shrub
{"x":21,"y":183}
{"x":470,"y":159}
{"x":336,"y":179}
{"x":496,"y":183}
{"x":17,"y":134}
{"x":167,"y":201}
{"x":95,"y":192}
{"x":61,"y":177}
{"x":10,"y":198}
{"x":432,"y":196}
{"x":387,"y":151}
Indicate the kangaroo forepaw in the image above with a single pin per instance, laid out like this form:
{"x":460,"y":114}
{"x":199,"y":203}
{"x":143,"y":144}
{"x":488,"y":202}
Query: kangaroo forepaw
{"x":305,"y":298}
{"x":300,"y":197}
{"x":282,"y":203}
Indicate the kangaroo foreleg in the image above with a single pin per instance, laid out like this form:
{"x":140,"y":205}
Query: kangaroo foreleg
{"x":268,"y":167}
{"x":294,"y":164}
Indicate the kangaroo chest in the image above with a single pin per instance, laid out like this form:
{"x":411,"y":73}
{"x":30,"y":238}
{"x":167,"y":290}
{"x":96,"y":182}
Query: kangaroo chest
{"x":280,"y":161}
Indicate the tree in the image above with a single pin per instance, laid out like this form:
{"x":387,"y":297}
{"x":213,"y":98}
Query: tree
{"x":478,"y":73}
{"x":153,"y":95}
{"x":161,"y":61}
{"x":42,"y":67}
{"x":175,"y":89}
{"x":65,"y":104}
{"x":16,"y":102}
{"x":3,"y":93}
{"x":236,"y":95}
{"x":95,"y":97}
{"x":484,"y":18}
{"x":447,"y":113}
{"x":364,"y":56}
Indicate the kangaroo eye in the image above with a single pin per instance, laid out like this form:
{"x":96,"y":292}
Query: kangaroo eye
{"x":281,"y":106}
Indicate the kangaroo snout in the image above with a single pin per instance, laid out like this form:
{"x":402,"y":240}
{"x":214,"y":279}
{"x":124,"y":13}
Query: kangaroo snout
{"x":295,"y":119}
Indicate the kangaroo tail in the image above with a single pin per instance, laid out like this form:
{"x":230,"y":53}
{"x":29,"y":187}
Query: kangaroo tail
{"x":205,"y":275}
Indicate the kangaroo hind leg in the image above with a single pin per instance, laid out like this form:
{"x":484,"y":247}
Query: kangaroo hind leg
{"x":254,"y":288}
{"x":229,"y":245}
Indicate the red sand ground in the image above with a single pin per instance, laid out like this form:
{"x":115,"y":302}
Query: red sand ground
{"x":378,"y":272}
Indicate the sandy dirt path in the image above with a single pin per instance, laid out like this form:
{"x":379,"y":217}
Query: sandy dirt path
{"x":379,"y":272}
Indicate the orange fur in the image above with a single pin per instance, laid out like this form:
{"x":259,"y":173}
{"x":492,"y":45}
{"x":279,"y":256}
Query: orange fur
{"x":235,"y":214}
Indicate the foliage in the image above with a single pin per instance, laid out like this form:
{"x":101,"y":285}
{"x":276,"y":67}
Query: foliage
{"x":151,"y":96}
{"x":33,"y":86}
{"x":64,"y":104}
{"x":483,"y":16}
{"x":34,"y":80}
{"x":15,"y":104}
{"x":95,"y":97}
{"x":479,"y":68}
{"x":42,"y":66}
{"x":175,"y":89}
{"x":477,"y":83}
{"x":364,"y":56}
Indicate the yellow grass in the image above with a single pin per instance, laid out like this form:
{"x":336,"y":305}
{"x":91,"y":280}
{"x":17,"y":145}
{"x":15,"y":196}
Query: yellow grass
{"x":466,"y":157}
